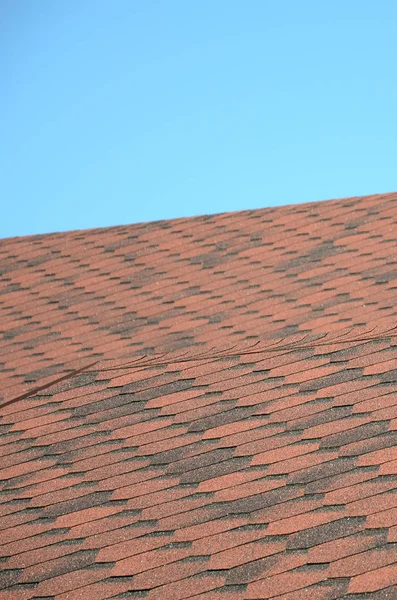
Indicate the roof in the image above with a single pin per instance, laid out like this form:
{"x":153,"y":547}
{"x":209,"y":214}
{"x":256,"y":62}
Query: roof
{"x":202,"y":408}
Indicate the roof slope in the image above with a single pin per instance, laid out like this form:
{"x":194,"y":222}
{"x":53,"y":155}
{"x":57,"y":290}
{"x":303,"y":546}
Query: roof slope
{"x":202,"y":408}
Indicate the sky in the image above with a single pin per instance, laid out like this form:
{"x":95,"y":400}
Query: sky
{"x":123,"y":111}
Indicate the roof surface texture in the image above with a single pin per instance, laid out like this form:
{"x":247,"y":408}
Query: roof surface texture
{"x":202,"y":408}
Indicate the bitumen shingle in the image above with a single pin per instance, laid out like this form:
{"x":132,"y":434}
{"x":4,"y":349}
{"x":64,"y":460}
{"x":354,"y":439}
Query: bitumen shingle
{"x":202,"y":408}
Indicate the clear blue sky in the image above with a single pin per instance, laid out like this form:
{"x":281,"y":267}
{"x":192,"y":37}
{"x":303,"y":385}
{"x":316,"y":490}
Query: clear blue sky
{"x":122,"y":111}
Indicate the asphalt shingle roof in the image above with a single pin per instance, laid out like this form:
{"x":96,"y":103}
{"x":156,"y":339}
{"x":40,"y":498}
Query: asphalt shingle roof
{"x":202,"y":408}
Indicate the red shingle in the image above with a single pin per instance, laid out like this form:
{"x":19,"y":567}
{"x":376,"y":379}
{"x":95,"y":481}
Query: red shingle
{"x":202,"y":408}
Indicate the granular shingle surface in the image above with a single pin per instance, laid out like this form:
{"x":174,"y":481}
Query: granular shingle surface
{"x":202,"y":408}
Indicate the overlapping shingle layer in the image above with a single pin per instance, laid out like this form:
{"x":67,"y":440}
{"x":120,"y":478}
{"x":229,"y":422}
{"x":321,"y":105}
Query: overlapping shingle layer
{"x":202,"y":408}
